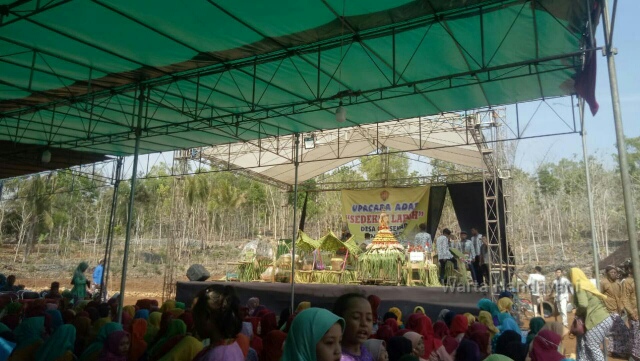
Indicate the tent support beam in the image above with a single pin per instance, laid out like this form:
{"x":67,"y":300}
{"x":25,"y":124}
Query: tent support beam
{"x":592,"y":217}
{"x":295,"y":225}
{"x":109,"y":242}
{"x":627,"y":193}
{"x":127,"y":240}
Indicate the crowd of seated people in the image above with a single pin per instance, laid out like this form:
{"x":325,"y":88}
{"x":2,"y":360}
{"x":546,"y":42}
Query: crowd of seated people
{"x":217,"y":326}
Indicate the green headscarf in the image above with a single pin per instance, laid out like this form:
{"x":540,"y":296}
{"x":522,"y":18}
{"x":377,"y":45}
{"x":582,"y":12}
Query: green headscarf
{"x":29,"y":331}
{"x":153,"y":326}
{"x":486,"y":304}
{"x":535,"y":325}
{"x":176,"y":328}
{"x":94,"y":348}
{"x":181,"y":305}
{"x":62,"y":340}
{"x":307,"y":329}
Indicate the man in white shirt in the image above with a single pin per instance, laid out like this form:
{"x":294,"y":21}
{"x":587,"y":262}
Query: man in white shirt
{"x":562,"y":290}
{"x":469,"y":254}
{"x":444,"y":255}
{"x":476,"y":241}
{"x":423,"y":238}
{"x":536,"y":283}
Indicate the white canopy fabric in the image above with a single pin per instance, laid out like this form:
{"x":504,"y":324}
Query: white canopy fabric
{"x":445,"y":137}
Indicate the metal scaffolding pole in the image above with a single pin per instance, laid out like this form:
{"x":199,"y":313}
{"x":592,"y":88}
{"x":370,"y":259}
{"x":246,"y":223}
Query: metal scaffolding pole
{"x":104,"y":282}
{"x":592,"y":217}
{"x":622,"y":149}
{"x":127,"y":240}
{"x":296,"y":162}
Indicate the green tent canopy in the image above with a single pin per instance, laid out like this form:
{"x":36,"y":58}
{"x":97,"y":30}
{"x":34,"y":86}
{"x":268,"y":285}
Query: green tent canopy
{"x":83,"y":75}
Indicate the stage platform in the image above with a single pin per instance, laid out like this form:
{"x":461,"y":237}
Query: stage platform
{"x":277,"y":296}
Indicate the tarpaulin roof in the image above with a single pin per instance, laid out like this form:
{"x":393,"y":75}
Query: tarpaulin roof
{"x":445,"y":137}
{"x":84,"y":75}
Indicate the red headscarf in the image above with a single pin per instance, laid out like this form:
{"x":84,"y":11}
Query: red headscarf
{"x":459,"y":325}
{"x":391,"y":322}
{"x":421,"y":324}
{"x":187,"y":318}
{"x":450,"y":344}
{"x":268,"y":323}
{"x":479,"y":333}
{"x":385,"y":333}
{"x":273,"y":342}
{"x":138,"y":345}
{"x":545,"y":347}
{"x":440,"y":329}
{"x":374,"y":301}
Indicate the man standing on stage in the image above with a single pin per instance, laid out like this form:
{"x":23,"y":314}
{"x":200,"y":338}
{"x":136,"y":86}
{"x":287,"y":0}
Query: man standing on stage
{"x":562,"y":289}
{"x":423,"y":238}
{"x":444,"y":255}
{"x":536,"y":283}
{"x":476,"y":241}
{"x":469,"y":254}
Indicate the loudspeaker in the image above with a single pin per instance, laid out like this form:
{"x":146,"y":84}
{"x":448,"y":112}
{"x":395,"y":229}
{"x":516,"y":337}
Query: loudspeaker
{"x":198,"y":273}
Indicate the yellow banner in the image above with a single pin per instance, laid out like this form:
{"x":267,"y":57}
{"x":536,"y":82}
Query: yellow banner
{"x":406,"y":208}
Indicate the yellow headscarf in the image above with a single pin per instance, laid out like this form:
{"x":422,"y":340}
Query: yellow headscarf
{"x":505,"y":304}
{"x":186,"y":349}
{"x":303,"y":306}
{"x":471,"y":318}
{"x":419,"y":308}
{"x":168,"y":305}
{"x":486,"y":319}
{"x":580,"y":282}
{"x":396,"y":311}
{"x":131,"y":310}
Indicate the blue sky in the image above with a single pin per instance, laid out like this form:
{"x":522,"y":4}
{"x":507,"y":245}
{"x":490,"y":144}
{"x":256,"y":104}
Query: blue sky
{"x":600,"y":129}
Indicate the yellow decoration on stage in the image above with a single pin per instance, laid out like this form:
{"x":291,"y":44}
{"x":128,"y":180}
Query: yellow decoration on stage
{"x":403,"y":210}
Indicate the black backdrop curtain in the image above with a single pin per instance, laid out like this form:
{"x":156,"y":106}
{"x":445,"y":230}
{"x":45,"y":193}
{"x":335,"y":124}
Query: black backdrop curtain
{"x":437,"y":195}
{"x":468,"y":203}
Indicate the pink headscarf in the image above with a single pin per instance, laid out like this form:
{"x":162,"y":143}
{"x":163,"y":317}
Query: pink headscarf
{"x":545,"y":347}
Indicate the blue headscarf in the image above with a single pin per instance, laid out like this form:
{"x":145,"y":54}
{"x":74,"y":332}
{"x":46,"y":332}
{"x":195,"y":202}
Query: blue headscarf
{"x":143,"y":314}
{"x":56,"y":319}
{"x":29,"y":331}
{"x":510,"y":324}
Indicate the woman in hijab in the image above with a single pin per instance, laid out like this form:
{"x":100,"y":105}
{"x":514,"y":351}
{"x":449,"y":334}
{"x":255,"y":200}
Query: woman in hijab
{"x":29,"y":338}
{"x":470,"y":318}
{"x":479,"y":334}
{"x":116,"y":348}
{"x":485,"y":318}
{"x":175,"y":332}
{"x":303,"y":306}
{"x":559,"y":329}
{"x":268,"y":323}
{"x":138,"y":344}
{"x":153,"y":326}
{"x":58,"y":347}
{"x":396,"y":311}
{"x":186,"y":349}
{"x":384,"y":333}
{"x":448,"y":318}
{"x":167,"y":306}
{"x":399,"y":346}
{"x":273,"y":342}
{"x":417,"y":343}
{"x":421,"y":324}
{"x":315,"y":335}
{"x":440,"y":330}
{"x":509,"y":343}
{"x":459,"y":327}
{"x":467,"y":351}
{"x":545,"y":347}
{"x":56,"y":319}
{"x":442,"y":313}
{"x":83,"y":334}
{"x":377,"y":349}
{"x":589,"y":303}
{"x":393,"y":323}
{"x":535,"y":325}
{"x":79,"y":281}
{"x":95,"y":349}
{"x":419,"y":309}
{"x":505,"y":305}
{"x":252,"y":304}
